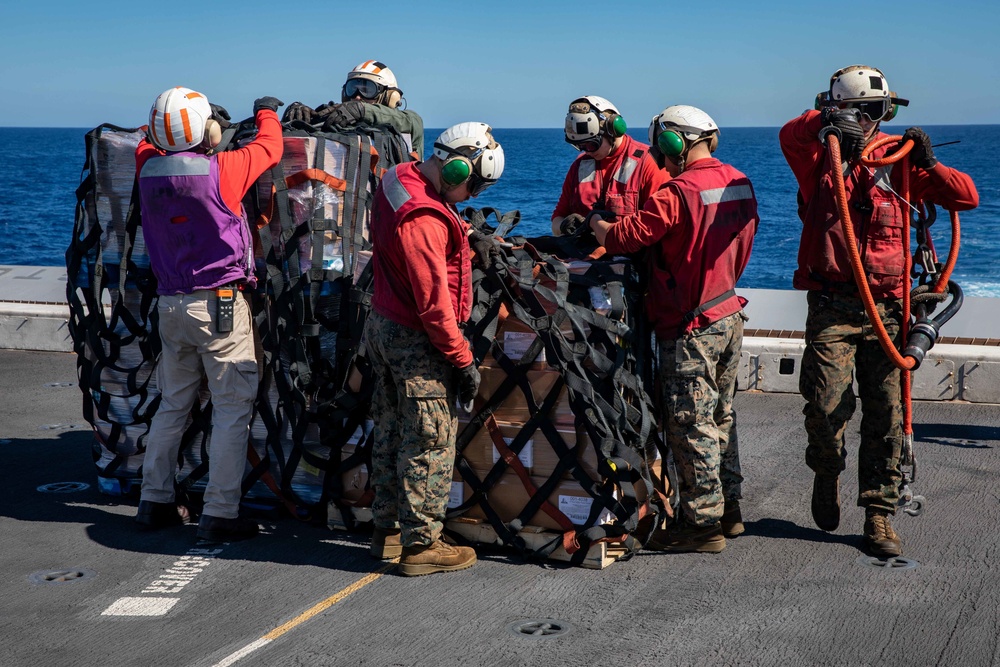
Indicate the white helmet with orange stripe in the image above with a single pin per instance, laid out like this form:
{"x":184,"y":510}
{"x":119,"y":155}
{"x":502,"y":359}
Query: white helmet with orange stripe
{"x":372,"y":81}
{"x":178,"y":119}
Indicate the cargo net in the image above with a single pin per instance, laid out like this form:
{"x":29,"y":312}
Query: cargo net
{"x":562,"y":437}
{"x":309,"y":437}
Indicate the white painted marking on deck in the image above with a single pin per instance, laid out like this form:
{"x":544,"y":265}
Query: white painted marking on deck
{"x":318,"y":608}
{"x":171,"y":580}
{"x":243,"y":652}
{"x":140,"y":607}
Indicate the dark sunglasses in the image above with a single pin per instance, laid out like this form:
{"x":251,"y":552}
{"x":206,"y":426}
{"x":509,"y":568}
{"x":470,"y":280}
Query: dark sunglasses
{"x":874,"y":111}
{"x":366,"y":88}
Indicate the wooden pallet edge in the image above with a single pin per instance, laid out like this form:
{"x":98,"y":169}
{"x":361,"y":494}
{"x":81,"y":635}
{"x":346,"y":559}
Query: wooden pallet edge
{"x":599,"y":556}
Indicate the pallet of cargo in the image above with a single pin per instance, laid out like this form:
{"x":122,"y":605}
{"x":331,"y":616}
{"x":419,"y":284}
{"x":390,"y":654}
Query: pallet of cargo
{"x":598,"y":557}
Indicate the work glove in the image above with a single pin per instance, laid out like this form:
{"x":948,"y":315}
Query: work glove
{"x":843,"y":123}
{"x":268,"y":102}
{"x":298,"y":111}
{"x":348,"y":114}
{"x":921,"y":155}
{"x":468,"y":385}
{"x":571,"y":224}
{"x":484,"y":246}
{"x":220,"y":115}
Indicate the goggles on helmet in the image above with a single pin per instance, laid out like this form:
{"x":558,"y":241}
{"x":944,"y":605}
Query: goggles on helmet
{"x":587,"y":145}
{"x":477,"y":184}
{"x":366,"y":88}
{"x":873,"y":110}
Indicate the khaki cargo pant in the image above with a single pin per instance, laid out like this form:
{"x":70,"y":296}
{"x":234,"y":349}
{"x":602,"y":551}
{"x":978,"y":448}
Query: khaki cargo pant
{"x":415,"y":429}
{"x":698,"y":381}
{"x":193,"y":349}
{"x":839,"y":341}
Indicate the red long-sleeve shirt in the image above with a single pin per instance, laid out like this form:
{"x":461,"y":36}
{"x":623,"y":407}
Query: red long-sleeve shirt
{"x":240,"y":168}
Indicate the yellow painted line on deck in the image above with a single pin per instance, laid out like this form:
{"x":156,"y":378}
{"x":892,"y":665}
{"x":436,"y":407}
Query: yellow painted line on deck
{"x":318,"y":608}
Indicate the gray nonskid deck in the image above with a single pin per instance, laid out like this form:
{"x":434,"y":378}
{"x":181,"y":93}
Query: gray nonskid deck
{"x":783,"y":593}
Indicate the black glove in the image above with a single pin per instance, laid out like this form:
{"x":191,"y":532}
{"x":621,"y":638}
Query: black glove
{"x":844,"y":124}
{"x":921,"y":155}
{"x":484,"y":246}
{"x":220,"y":115}
{"x":268,"y":102}
{"x":348,"y":114}
{"x":571,"y":224}
{"x":468,"y":384}
{"x":298,"y":111}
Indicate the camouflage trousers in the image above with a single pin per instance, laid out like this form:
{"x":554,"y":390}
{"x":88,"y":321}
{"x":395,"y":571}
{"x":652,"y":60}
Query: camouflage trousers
{"x":415,"y":429}
{"x":698,"y":381}
{"x":841,"y":343}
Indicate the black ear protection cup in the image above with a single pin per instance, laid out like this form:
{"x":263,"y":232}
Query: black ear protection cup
{"x":671,"y":144}
{"x":614,"y":126}
{"x":822,"y":100}
{"x":456,"y":170}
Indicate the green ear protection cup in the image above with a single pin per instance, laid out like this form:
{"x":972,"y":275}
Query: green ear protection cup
{"x":893,"y":110}
{"x":456,"y":170}
{"x":614,"y":126}
{"x":671,"y":143}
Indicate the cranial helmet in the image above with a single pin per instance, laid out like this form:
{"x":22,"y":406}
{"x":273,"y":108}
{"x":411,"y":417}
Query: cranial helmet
{"x":469,"y":153}
{"x":677,"y":128}
{"x":385,"y":91}
{"x":591,"y":117}
{"x":178,"y":119}
{"x":862,"y":87}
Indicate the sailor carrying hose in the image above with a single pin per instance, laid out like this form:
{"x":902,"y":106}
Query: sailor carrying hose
{"x":840,"y":340}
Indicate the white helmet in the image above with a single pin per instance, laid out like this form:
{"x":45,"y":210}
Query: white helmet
{"x":858,"y":83}
{"x":178,"y":119}
{"x":590,"y":117}
{"x":384,"y":91}
{"x":677,"y":128}
{"x":864,"y":88}
{"x":469,"y":153}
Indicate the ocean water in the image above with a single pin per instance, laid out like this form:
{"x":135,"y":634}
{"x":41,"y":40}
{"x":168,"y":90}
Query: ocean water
{"x":40,"y":171}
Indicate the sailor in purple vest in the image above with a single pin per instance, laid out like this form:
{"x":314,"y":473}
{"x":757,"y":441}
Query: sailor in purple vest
{"x":201,"y":253}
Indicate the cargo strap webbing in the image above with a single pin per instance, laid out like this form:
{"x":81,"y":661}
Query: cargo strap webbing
{"x":597,"y":361}
{"x":117,"y":345}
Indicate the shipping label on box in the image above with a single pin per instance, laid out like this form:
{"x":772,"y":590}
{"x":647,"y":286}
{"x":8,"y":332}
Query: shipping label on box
{"x":577,"y":509}
{"x":457,"y":495}
{"x":526,"y":454}
{"x":516,"y":344}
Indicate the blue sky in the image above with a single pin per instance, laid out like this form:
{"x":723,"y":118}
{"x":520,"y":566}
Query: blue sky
{"x":510,"y":64}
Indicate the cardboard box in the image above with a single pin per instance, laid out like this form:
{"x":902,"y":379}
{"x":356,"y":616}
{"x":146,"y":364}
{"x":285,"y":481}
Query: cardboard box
{"x":514,"y":408}
{"x":537,"y":454}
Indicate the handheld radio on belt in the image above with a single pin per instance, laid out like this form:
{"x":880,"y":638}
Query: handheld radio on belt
{"x":225,"y":305}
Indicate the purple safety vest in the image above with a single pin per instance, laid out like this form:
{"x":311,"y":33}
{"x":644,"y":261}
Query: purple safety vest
{"x":194,"y":240}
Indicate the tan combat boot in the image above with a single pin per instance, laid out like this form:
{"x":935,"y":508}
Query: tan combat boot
{"x":880,"y":539}
{"x":826,"y":501}
{"x":732,"y":519}
{"x":689,"y":539}
{"x":436,"y":557}
{"x":386,"y":544}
